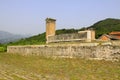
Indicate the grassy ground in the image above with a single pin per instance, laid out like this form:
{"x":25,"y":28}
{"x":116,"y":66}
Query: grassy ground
{"x":18,"y":67}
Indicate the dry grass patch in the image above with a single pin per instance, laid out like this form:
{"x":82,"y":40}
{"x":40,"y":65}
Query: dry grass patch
{"x":39,"y":68}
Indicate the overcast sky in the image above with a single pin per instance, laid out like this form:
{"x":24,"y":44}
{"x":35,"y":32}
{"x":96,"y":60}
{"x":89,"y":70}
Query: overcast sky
{"x":28,"y":16}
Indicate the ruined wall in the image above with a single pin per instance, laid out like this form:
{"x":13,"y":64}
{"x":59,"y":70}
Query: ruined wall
{"x":94,"y":51}
{"x":68,"y":37}
{"x":86,"y":36}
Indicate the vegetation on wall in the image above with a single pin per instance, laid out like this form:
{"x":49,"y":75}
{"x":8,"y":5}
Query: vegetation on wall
{"x":66,"y":31}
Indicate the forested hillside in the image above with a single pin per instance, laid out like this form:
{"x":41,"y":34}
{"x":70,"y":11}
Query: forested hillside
{"x":106,"y":26}
{"x":101,"y":27}
{"x":40,"y":38}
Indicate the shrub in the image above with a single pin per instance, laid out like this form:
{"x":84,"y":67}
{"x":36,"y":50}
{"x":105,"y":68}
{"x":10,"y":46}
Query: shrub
{"x":2,"y":49}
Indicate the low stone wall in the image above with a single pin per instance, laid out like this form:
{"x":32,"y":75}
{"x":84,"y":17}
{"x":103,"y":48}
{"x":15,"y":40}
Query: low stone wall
{"x":116,"y":43}
{"x":94,"y":51}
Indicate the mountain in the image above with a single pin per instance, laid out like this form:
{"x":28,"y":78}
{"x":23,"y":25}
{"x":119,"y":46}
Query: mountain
{"x":6,"y":37}
{"x":106,"y":26}
{"x":102,"y":27}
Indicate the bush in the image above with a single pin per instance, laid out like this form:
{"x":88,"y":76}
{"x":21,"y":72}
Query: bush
{"x":2,"y":49}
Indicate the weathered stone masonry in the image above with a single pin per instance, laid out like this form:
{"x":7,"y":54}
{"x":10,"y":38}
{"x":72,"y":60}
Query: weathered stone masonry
{"x":87,"y":35}
{"x":74,"y":50}
{"x":97,"y":50}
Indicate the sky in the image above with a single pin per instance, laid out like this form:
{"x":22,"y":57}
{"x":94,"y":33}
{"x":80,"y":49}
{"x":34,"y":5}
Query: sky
{"x":28,"y":16}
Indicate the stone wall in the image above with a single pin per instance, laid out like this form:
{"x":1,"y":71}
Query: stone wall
{"x":68,"y":37}
{"x":87,"y":36}
{"x":93,"y":51}
{"x":116,"y":43}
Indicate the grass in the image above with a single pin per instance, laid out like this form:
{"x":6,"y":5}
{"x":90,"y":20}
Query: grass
{"x":18,"y":67}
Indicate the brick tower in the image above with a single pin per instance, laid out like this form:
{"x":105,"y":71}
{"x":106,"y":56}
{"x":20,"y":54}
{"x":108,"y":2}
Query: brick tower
{"x":50,"y":27}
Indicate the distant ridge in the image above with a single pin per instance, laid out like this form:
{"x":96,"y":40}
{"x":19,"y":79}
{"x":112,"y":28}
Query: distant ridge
{"x":6,"y":37}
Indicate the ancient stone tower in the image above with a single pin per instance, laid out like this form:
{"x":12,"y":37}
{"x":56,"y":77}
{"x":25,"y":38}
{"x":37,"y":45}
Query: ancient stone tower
{"x":50,"y":27}
{"x":93,"y":34}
